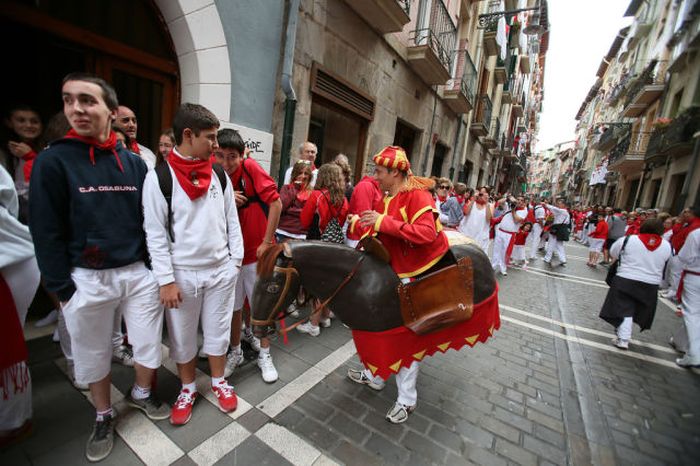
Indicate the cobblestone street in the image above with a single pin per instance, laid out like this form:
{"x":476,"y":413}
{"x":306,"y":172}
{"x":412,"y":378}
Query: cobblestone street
{"x":549,"y":388}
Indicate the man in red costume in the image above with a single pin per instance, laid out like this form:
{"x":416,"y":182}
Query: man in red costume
{"x":405,"y":221}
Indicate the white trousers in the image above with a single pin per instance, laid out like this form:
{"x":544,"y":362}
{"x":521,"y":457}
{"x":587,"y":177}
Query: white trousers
{"x":691,"y":315}
{"x":500,"y":246}
{"x":406,"y":380}
{"x":533,"y":239}
{"x":245,"y":285}
{"x":673,"y":273}
{"x":16,"y":395}
{"x":624,"y":330}
{"x":554,"y":245}
{"x":207,"y":295}
{"x":89,"y":316}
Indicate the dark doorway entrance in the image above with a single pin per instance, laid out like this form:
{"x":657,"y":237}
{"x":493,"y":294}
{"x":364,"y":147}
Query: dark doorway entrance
{"x":438,"y":159}
{"x":405,"y":137}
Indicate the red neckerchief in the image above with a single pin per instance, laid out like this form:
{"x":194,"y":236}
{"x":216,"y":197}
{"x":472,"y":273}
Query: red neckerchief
{"x":134,"y":147}
{"x":442,"y":198}
{"x":194,"y":176}
{"x":480,"y":200}
{"x":110,"y":144}
{"x":651,"y":241}
{"x":460,"y":199}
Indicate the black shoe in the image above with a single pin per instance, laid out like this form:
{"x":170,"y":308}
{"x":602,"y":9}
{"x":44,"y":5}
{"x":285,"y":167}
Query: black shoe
{"x":101,"y":441}
{"x":151,"y":407}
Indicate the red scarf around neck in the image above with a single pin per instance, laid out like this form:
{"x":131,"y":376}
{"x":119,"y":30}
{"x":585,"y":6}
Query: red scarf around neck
{"x":134,"y":147}
{"x":650,"y":240}
{"x":109,"y":144}
{"x":194,"y":176}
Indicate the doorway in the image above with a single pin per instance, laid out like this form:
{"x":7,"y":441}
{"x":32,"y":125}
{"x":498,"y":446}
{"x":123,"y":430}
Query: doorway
{"x":60,"y":37}
{"x":405,"y":137}
{"x":335,"y":132}
{"x":438,"y":159}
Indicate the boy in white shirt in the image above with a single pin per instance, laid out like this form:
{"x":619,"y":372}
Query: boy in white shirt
{"x":196,"y":249}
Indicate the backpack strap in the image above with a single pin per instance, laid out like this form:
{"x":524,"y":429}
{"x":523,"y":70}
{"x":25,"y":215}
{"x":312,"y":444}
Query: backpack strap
{"x":254,"y":197}
{"x":219,"y":170}
{"x":165,"y":181}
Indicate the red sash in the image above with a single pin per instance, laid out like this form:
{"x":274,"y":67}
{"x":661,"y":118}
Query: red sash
{"x":511,"y":244}
{"x":679,"y":294}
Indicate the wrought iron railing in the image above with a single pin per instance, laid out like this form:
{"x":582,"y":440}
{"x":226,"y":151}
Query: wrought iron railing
{"x":678,"y":133}
{"x":440,"y":33}
{"x":496,"y":129}
{"x":620,"y":149}
{"x":650,"y":75}
{"x":405,"y":6}
{"x":619,"y":89}
{"x":612,"y":134}
{"x":466,"y":83}
{"x":483,"y":111}
{"x":633,"y":144}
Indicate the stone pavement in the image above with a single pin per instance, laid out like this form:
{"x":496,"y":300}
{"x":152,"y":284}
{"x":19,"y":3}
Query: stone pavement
{"x":547,"y":389}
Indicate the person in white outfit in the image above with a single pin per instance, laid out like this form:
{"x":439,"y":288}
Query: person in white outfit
{"x":19,"y":278}
{"x":477,"y":218}
{"x":632,"y":295}
{"x":196,"y":250}
{"x":536,"y":233}
{"x":562,"y":222}
{"x":506,"y":230}
{"x":127,"y":122}
{"x":689,"y":257}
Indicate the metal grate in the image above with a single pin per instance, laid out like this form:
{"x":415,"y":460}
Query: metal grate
{"x":341,"y":93}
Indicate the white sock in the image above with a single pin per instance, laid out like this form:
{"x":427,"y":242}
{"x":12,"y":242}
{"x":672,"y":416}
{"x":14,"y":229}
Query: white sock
{"x":217,"y":380}
{"x":191,"y":387}
{"x":100,"y":415}
{"x":236,"y":349}
{"x":264,"y":351}
{"x":140,"y":393}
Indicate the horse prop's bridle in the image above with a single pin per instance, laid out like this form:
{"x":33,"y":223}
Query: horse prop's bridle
{"x":289,"y":272}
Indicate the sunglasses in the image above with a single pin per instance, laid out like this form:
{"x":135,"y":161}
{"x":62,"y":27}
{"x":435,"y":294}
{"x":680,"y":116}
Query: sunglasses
{"x":443,"y":187}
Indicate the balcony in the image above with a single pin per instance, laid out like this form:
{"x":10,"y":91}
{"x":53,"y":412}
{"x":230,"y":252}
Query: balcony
{"x":430,"y":54}
{"x":499,"y":72}
{"x":506,"y":95}
{"x":491,"y":140}
{"x":384,"y":16}
{"x":517,"y":110}
{"x":610,"y":137}
{"x":648,"y":87}
{"x":676,"y":139}
{"x":490,"y":45}
{"x":628,"y":155}
{"x":481,"y":121}
{"x":459,"y":92}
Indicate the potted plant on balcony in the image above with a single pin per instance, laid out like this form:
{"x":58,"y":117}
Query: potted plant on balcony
{"x":661,"y":123}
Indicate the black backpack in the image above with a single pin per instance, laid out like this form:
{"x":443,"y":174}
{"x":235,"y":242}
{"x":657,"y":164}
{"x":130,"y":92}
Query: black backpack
{"x":165,"y":181}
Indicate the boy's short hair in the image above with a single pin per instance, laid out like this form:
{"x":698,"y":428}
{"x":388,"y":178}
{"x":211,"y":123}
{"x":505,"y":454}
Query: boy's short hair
{"x":230,"y":139}
{"x":653,"y":226}
{"x":108,"y":93}
{"x":195,"y":117}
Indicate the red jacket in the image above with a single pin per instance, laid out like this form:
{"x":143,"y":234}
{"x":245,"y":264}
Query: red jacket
{"x":601,"y":230}
{"x":319,"y":202}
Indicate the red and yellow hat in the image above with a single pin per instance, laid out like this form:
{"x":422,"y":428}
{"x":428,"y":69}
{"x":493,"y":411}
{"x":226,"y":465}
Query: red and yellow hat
{"x":393,"y":157}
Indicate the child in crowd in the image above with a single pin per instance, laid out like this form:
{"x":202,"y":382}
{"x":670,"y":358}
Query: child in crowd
{"x":196,"y":248}
{"x":255,"y":192}
{"x":519,"y":253}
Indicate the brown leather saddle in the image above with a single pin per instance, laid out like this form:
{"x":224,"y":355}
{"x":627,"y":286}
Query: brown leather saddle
{"x":441,"y":297}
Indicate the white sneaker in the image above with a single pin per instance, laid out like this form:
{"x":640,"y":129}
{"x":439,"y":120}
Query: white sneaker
{"x":292,"y":311}
{"x":358,"y":376}
{"x":123,"y":355}
{"x":669,"y":294}
{"x":622,"y":344}
{"x":233,"y":360}
{"x":269,"y":373}
{"x":325,"y":323}
{"x":311,"y":329}
{"x":51,"y":318}
{"x":399,"y":413}
{"x":252,"y":339}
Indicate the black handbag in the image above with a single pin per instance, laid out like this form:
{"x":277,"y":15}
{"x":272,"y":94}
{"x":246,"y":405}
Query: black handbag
{"x":612,"y":270}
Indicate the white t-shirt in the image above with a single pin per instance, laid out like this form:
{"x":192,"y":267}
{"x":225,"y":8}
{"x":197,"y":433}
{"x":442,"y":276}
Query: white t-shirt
{"x":638,"y":263}
{"x":508,"y":223}
{"x":147,"y":156}
{"x":689,"y":254}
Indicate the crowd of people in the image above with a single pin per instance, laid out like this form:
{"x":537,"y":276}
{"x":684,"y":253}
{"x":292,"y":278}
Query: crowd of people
{"x":126,"y":240}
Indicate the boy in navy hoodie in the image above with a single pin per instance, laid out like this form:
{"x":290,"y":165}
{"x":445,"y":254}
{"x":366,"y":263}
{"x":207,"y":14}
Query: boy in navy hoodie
{"x":86,"y":223}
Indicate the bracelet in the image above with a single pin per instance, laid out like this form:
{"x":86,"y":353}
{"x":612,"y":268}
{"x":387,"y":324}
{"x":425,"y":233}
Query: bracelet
{"x":268,"y":241}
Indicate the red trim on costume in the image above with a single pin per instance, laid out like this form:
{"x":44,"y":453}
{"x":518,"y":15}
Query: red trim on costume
{"x":14,"y":349}
{"x":679,"y":293}
{"x":384,"y":353}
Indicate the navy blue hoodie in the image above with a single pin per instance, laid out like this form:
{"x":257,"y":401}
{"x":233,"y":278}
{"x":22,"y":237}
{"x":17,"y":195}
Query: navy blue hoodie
{"x":84,"y":213}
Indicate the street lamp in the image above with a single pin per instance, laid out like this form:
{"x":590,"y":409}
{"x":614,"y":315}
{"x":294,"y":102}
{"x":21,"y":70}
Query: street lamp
{"x":534,"y":28}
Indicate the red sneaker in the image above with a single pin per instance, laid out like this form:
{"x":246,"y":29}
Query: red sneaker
{"x":182,"y":408}
{"x":226,"y":396}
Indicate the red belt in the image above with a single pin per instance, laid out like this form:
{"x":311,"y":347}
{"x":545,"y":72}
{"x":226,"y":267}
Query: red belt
{"x":679,"y":293}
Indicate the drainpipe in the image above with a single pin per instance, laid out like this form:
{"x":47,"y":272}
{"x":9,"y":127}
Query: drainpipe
{"x":430,"y":136}
{"x":691,"y":172}
{"x":456,"y":146}
{"x":290,"y":103}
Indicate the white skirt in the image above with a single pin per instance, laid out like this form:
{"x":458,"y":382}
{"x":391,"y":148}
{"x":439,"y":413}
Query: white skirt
{"x":595,"y":244}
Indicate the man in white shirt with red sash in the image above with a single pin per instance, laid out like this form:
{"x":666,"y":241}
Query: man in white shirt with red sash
{"x":505,"y":236}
